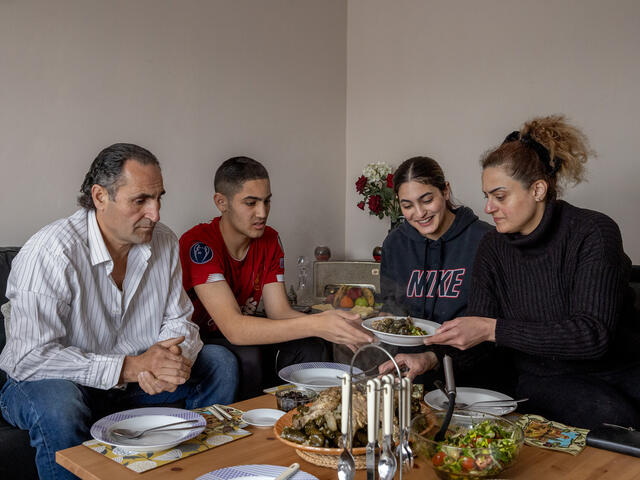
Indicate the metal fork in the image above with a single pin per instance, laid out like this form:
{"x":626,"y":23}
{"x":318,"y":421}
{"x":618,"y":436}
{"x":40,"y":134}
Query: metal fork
{"x":133,"y":434}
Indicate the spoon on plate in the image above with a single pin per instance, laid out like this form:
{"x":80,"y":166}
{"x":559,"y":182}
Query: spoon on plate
{"x":133,"y":434}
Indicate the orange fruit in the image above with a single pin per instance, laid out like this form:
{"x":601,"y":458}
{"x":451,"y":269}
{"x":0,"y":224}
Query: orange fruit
{"x":346,"y":302}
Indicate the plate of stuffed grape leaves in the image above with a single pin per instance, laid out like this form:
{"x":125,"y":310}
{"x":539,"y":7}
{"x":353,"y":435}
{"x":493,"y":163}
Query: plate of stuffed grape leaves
{"x":314,"y":429}
{"x":401,"y":331}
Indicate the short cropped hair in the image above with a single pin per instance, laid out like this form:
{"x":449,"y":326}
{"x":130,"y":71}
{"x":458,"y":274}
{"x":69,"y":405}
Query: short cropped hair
{"x":232,"y":174}
{"x":106,"y":170}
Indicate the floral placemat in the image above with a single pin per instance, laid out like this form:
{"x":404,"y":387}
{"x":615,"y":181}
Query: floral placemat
{"x":215,"y":433}
{"x":543,"y":433}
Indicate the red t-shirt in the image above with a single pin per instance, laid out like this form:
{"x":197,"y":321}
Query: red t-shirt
{"x":205,"y":259}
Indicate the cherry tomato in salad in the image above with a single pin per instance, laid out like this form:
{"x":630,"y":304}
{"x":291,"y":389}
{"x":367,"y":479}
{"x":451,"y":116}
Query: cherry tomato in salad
{"x":438,"y":459}
{"x":467,"y":463}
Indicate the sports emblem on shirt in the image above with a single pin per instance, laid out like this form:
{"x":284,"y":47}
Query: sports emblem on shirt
{"x":200,"y":253}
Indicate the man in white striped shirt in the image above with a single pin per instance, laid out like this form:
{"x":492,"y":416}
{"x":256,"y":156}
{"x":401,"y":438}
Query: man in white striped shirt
{"x":99,"y":319}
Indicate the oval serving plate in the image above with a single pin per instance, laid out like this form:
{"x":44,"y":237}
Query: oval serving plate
{"x":403,"y":340}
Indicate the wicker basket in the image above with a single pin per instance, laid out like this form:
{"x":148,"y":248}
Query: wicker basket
{"x":330,"y":461}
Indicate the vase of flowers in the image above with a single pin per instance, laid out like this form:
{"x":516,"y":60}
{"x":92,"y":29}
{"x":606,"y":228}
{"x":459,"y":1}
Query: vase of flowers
{"x":375,"y":185}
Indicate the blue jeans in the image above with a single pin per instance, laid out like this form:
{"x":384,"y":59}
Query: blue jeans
{"x":59,"y":413}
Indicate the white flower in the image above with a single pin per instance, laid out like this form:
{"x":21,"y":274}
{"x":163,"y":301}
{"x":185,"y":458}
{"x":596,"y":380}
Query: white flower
{"x":376,"y":171}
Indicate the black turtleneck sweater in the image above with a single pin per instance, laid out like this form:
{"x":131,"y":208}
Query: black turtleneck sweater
{"x":559,"y":294}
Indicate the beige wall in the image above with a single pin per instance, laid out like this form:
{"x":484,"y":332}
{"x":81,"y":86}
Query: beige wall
{"x":450,"y":79}
{"x":199,"y":81}
{"x":193,"y":81}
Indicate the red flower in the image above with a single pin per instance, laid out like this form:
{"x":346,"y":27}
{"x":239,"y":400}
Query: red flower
{"x":375,"y":204}
{"x":361,"y":183}
{"x":390,"y":180}
{"x":360,"y":205}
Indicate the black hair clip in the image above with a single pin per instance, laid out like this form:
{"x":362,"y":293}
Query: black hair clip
{"x":541,"y":151}
{"x":512,"y":137}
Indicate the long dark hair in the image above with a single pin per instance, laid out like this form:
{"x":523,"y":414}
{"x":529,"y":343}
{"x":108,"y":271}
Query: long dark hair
{"x":423,"y":170}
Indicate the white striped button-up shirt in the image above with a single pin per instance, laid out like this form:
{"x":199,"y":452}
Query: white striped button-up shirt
{"x":68,"y":318}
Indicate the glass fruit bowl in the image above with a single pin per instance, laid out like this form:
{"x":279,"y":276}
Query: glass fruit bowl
{"x":478,"y":446}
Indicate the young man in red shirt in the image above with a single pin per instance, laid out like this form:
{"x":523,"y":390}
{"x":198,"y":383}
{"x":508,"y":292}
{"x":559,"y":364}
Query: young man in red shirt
{"x":235,"y":260}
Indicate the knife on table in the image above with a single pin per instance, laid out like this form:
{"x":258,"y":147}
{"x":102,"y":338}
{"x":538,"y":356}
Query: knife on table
{"x":372,"y":464}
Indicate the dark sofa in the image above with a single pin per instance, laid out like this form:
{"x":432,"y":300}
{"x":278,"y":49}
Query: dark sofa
{"x":17,"y":456}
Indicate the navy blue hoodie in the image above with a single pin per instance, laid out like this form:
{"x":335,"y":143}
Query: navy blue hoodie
{"x":430,"y":279}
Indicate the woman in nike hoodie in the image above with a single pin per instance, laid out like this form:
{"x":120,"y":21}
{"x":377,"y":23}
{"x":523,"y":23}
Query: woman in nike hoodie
{"x":427,"y":261}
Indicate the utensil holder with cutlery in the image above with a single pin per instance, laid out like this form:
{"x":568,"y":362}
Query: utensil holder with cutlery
{"x":382,"y":461}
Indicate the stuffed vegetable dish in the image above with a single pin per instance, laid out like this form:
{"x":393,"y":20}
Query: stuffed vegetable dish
{"x":397,"y":326}
{"x":318,"y":424}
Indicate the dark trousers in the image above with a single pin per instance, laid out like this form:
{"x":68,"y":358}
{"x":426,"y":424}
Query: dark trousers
{"x":584,"y":401}
{"x":259,"y":364}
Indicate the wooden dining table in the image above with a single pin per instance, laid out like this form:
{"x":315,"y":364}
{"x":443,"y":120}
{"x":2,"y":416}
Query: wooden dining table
{"x":263,"y":447}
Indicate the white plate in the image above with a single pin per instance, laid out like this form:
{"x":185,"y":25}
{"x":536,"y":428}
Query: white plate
{"x":403,"y":340}
{"x":142,"y":418}
{"x":262,"y":417}
{"x":316,"y":375}
{"x":253,"y":472}
{"x":436,"y":399}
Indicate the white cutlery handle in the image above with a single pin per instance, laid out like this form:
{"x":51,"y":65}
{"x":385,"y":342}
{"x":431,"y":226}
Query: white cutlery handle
{"x":222,"y":411}
{"x":346,"y":396}
{"x":401,"y":403}
{"x":407,"y":411}
{"x":376,"y":422}
{"x":387,"y":413}
{"x":289,"y":472}
{"x":371,"y":411}
{"x":217,"y":414}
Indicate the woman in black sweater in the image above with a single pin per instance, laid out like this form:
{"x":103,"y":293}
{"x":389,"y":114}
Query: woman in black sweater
{"x":551,"y":284}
